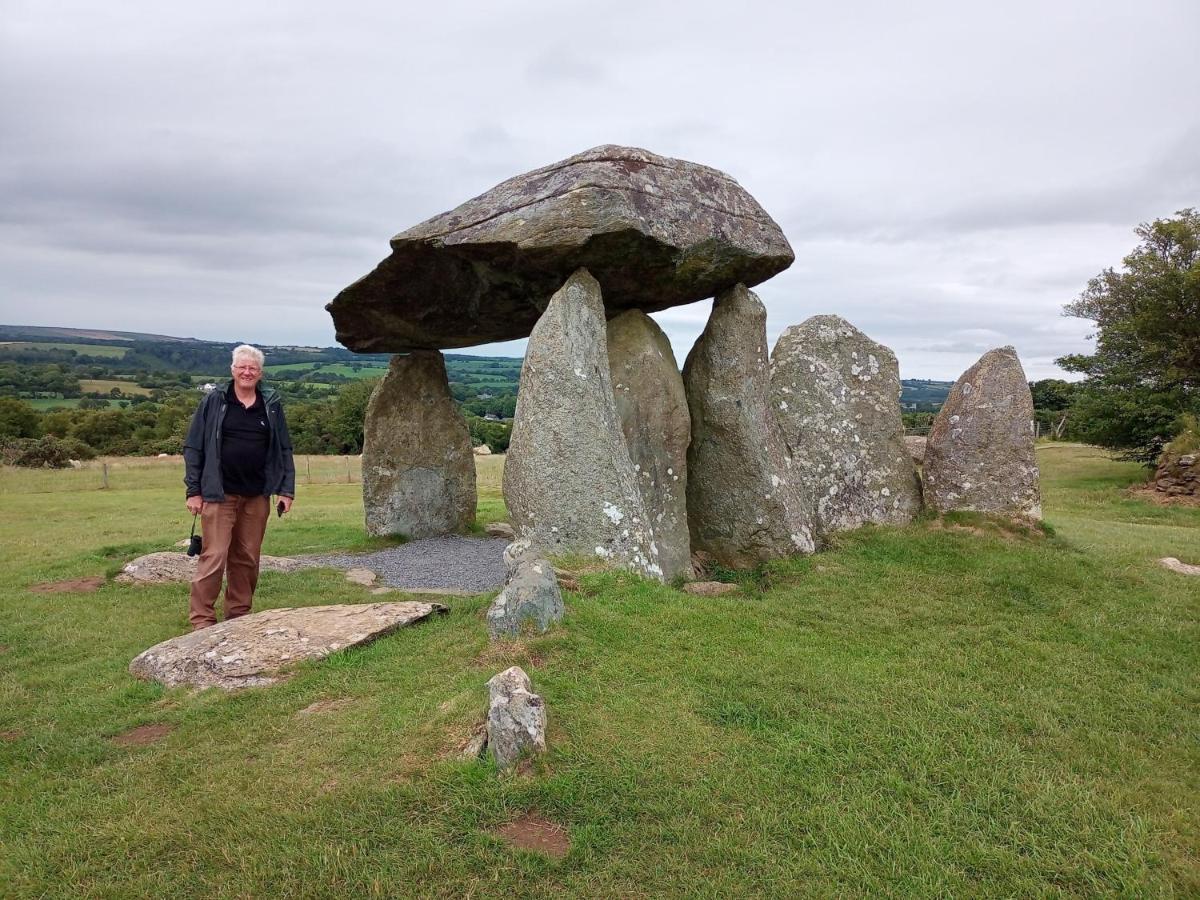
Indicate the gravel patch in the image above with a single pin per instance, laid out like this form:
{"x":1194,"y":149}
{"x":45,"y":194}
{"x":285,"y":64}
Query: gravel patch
{"x":463,"y":563}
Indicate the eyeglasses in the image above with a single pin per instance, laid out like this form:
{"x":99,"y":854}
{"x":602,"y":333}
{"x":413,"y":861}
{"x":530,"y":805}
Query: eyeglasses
{"x":246,"y":369}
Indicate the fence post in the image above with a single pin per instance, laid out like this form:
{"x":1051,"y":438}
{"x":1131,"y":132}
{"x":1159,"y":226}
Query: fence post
{"x":104,"y":477}
{"x":308,"y":468}
{"x":349,"y":480}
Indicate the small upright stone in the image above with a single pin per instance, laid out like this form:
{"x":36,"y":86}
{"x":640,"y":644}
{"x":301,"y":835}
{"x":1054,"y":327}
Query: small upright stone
{"x":980,"y":454}
{"x":418,"y":468}
{"x":516,"y":720}
{"x":569,"y":484}
{"x":836,"y":394}
{"x":744,"y":503}
{"x":657,"y":427}
{"x":531,"y":595}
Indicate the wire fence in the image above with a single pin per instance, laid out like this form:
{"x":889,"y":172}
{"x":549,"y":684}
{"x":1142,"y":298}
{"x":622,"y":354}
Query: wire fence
{"x":124,"y":473}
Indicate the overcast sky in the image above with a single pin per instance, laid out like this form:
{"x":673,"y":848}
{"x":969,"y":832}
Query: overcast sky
{"x":949,"y":174}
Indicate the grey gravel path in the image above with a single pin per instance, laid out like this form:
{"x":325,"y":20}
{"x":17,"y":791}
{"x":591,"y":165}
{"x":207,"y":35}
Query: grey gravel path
{"x":462,"y":563}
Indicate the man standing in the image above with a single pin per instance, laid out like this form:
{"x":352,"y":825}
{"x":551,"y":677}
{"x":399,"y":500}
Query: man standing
{"x":236,"y":455}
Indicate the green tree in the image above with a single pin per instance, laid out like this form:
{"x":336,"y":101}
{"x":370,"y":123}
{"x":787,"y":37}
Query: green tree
{"x":18,"y":419}
{"x":1145,"y":372}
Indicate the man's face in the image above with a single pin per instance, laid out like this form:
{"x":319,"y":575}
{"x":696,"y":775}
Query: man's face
{"x":246,"y":372}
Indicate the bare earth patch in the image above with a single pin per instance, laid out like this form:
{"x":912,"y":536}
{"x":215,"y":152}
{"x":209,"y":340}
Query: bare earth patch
{"x":1158,"y":498}
{"x":531,"y":832}
{"x":324,"y":706}
{"x":71,"y":586}
{"x":508,"y":653}
{"x":143,"y":735}
{"x":14,"y":734}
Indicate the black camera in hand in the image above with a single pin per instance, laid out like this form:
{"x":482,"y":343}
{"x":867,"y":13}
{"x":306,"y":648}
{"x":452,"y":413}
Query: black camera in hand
{"x":194,"y":544}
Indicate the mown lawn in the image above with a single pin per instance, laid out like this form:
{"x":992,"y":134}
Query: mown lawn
{"x":948,"y":709}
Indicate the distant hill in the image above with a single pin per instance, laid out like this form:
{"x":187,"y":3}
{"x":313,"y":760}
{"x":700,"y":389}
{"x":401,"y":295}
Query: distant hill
{"x":49,"y":333}
{"x":473,"y":377}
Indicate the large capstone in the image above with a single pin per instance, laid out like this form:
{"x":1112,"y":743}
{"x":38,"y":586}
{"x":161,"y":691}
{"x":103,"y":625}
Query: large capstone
{"x":836,"y":394}
{"x":418,"y":466}
{"x":655,"y":232}
{"x":569,"y":484}
{"x":745,"y":502}
{"x":980,"y":452}
{"x":652,"y":406}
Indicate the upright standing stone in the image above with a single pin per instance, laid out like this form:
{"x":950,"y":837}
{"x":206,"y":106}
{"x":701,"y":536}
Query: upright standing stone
{"x":836,"y":394}
{"x":652,"y":406}
{"x":744,"y":504}
{"x":569,"y":484}
{"x":980,"y":452}
{"x":418,"y":468}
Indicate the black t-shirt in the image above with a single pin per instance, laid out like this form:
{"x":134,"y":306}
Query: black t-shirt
{"x":244,"y":439}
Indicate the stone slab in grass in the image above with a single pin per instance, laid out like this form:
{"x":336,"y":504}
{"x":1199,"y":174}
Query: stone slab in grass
{"x":258,"y":649}
{"x":169,"y":567}
{"x":1170,"y":562}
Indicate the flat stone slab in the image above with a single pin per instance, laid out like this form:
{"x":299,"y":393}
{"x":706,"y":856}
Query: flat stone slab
{"x":1170,"y":562}
{"x":654,"y":232}
{"x":168,"y":567}
{"x":258,"y":649}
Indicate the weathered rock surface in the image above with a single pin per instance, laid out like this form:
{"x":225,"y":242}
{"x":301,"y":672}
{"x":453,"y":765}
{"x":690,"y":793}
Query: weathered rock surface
{"x":482,"y":450}
{"x":167,"y":567}
{"x":530,"y":595}
{"x":980,"y":453}
{"x":1179,"y":476}
{"x":500,"y":530}
{"x":569,"y":484}
{"x":916,"y":447}
{"x":365,"y":577}
{"x":836,"y":395}
{"x":655,"y":232}
{"x":744,"y":503}
{"x":653,"y":410}
{"x":709,"y":588}
{"x":516,"y":720}
{"x":418,"y":465}
{"x":1170,"y":562}
{"x":257,"y":649}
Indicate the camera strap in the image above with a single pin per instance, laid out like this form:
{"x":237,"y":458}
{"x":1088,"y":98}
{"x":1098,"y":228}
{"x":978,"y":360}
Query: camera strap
{"x":193,"y":534}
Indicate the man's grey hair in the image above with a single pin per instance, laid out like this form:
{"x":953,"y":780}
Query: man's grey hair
{"x":246,"y":350}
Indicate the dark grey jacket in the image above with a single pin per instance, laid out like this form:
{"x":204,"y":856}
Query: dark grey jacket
{"x":202,"y":448}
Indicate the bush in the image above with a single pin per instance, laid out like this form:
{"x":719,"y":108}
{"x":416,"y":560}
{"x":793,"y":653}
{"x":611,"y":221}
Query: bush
{"x":39,"y":453}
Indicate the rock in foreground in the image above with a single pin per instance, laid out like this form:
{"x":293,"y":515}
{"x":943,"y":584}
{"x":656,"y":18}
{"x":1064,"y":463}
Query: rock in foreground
{"x":569,"y":484}
{"x":980,"y":453}
{"x":516,"y":720}
{"x":531,"y":595}
{"x":652,"y":406}
{"x":835,"y":393}
{"x":418,"y":467}
{"x":256,"y":650}
{"x":168,"y":567}
{"x":655,"y":232}
{"x":744,"y":505}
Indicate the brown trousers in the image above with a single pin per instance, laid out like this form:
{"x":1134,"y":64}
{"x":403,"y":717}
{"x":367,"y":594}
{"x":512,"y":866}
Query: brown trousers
{"x":233,"y":535}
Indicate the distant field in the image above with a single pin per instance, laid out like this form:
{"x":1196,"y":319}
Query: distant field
{"x":104,"y":385}
{"x":368,"y":370}
{"x":43,"y":403}
{"x":81,"y":349}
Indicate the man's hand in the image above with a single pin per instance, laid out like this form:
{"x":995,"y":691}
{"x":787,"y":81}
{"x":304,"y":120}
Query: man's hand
{"x":195,"y":504}
{"x":286,"y":501}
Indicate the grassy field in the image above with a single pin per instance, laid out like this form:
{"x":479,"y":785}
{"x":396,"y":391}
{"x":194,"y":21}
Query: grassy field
{"x":45,"y":403}
{"x":104,"y":385}
{"x":81,"y":349}
{"x":366,"y":370}
{"x":949,"y":709}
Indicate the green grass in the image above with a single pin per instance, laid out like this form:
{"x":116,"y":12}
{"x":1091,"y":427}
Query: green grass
{"x":81,"y":349}
{"x":104,"y":385}
{"x":367,"y":370}
{"x":44,"y":403}
{"x":948,"y":709}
